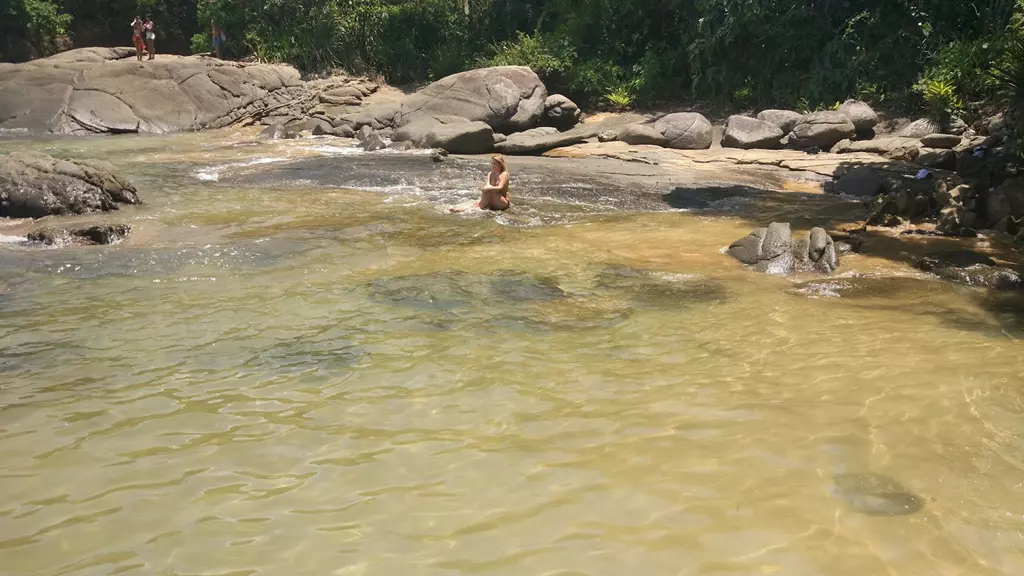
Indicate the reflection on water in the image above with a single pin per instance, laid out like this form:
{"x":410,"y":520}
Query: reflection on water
{"x":278,"y":377}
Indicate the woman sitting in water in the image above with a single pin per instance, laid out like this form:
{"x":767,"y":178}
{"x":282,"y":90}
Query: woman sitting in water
{"x":494,"y":194}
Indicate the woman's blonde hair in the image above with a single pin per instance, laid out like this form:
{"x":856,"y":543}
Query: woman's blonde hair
{"x":501,"y":162}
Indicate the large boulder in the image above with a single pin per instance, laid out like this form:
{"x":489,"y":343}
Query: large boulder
{"x":461,"y":137}
{"x":685,"y":131}
{"x":561,"y":113}
{"x":543,"y":139}
{"x":746,"y":132}
{"x":104,"y":90}
{"x":860,"y":181}
{"x":784,"y":119}
{"x":33,"y":185}
{"x":821,"y":130}
{"x":506,"y":98}
{"x":642,"y":134}
{"x":862,"y":116}
{"x":921,"y":128}
{"x":772,"y":250}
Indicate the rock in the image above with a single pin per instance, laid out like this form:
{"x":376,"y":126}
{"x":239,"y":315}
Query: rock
{"x":607,"y":136}
{"x":957,"y":127}
{"x":499,"y":138}
{"x":317,"y":126}
{"x":461,"y":137}
{"x":438,"y":155}
{"x":1012,"y":191}
{"x":822,"y":130}
{"x":417,"y":132}
{"x":862,"y":116}
{"x":937,"y":158}
{"x":344,"y":92}
{"x":340,"y":100}
{"x":561,"y":112}
{"x":540,"y":139}
{"x":278,"y":132}
{"x":972,"y":269}
{"x":507,"y":98}
{"x":641,"y":134}
{"x":884,"y":146}
{"x":364,"y":133}
{"x":994,"y":125}
{"x":685,"y":131}
{"x":373,"y":142}
{"x":772,"y":250}
{"x":946,"y":141}
{"x":33,"y":185}
{"x":876,"y":495}
{"x":921,"y":128}
{"x":103,"y":234}
{"x":861,"y":181}
{"x":342,"y":131}
{"x":784,"y":119}
{"x":745,"y":132}
{"x":100,"y":90}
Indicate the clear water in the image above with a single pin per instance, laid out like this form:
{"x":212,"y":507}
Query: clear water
{"x":278,"y":374}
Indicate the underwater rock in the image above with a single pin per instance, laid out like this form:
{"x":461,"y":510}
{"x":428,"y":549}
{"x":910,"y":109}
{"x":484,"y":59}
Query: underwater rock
{"x":876,"y":495}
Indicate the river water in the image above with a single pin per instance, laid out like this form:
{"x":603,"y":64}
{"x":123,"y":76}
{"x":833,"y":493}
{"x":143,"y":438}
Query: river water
{"x":301,"y":364}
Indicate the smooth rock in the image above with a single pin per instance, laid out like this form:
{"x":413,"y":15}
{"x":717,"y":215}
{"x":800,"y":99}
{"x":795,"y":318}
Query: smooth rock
{"x":785,"y":120}
{"x":773,"y":250}
{"x":685,"y":131}
{"x":884,"y":146}
{"x":33,"y":185}
{"x":745,"y":132}
{"x":862,"y":116}
{"x":461,"y":138}
{"x":561,"y":112}
{"x":822,"y":130}
{"x":278,"y":131}
{"x":642,"y":134}
{"x":373,"y":142}
{"x":947,"y":141}
{"x":540,"y":139}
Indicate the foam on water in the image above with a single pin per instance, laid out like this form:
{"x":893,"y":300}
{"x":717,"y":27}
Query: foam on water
{"x":212,"y":173}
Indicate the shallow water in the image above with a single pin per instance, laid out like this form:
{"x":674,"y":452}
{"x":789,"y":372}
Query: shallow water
{"x":278,"y":374}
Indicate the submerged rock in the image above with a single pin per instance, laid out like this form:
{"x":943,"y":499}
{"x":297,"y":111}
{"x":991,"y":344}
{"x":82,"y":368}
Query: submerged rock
{"x":771,"y":250}
{"x":102,"y":234}
{"x":450,"y":289}
{"x":876,"y":495}
{"x":654,"y":289}
{"x":33,"y":185}
{"x":972,"y":269}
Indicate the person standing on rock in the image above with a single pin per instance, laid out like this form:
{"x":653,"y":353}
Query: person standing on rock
{"x":150,"y":36}
{"x":494,"y":194}
{"x":218,"y":39}
{"x":138,"y":29}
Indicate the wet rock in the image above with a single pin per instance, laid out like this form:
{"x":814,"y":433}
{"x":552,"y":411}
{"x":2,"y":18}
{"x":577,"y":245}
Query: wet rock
{"x":785,"y":120}
{"x":821,"y":130}
{"x":305,"y":356}
{"x":972,"y":269}
{"x":655,"y":289}
{"x":342,"y":131}
{"x":561,"y":112}
{"x":438,"y":155}
{"x":543,"y":139}
{"x":862,"y":116}
{"x":861,"y":181}
{"x":772,"y":250}
{"x":278,"y":131}
{"x":448,"y":290}
{"x":745,"y":132}
{"x":885,"y":288}
{"x":513,"y":286}
{"x":942,"y":159}
{"x":33,"y":185}
{"x":102,"y":234}
{"x":876,"y":495}
{"x":373,"y":142}
{"x":685,"y":131}
{"x":921,"y":128}
{"x":944,"y":141}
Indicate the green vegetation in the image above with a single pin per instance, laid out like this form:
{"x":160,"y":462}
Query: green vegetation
{"x":942,"y":56}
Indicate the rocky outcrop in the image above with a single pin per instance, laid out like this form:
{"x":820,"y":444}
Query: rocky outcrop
{"x":785,"y":120}
{"x":104,"y":90}
{"x":772,"y":250}
{"x":561,"y":113}
{"x":972,"y":269}
{"x":89,"y":235}
{"x":862,"y":116}
{"x":746,"y":132}
{"x":33,"y":185}
{"x":821,"y":130}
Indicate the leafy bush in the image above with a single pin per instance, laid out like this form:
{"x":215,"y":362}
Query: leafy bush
{"x":941,"y":99}
{"x":621,"y":97}
{"x":201,"y":44}
{"x":30,"y":28}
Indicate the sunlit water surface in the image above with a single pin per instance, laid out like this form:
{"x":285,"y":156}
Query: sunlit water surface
{"x":295,"y":377}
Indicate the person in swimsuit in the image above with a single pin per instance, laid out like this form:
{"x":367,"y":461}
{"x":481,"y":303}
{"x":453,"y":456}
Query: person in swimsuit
{"x":150,"y":29}
{"x":494,"y":194}
{"x":138,"y":29}
{"x":218,"y":39}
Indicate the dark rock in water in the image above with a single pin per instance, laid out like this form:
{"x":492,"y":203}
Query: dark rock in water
{"x":521,"y":287}
{"x":278,"y":131}
{"x":653,"y":289}
{"x":340,"y":131}
{"x":862,"y":181}
{"x":438,"y":155}
{"x":300,"y":356}
{"x":104,"y":234}
{"x":972,"y":269}
{"x":876,"y":495}
{"x":373,"y":142}
{"x":772,"y":250}
{"x":450,"y":290}
{"x":33,"y":185}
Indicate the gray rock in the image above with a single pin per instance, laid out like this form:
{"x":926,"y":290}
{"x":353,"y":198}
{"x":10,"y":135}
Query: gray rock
{"x":971,"y":269}
{"x":822,"y":130}
{"x":607,"y":136}
{"x":541,"y":139}
{"x":373,"y":142}
{"x":91,"y":235}
{"x":862,"y":181}
{"x":438,"y":155}
{"x":642,"y":134}
{"x":784,"y":119}
{"x":561,"y":112}
{"x":772,"y":250}
{"x":419,"y":131}
{"x":745,"y":132}
{"x":507,"y":98}
{"x":499,"y":138}
{"x":33,"y":185}
{"x":921,"y":128}
{"x":748,"y":248}
{"x":937,"y":158}
{"x":98,"y":90}
{"x":685,"y":131}
{"x":364,"y":133}
{"x":862,"y":116}
{"x":946,"y":141}
{"x":279,"y":131}
{"x":777,"y":240}
{"x":884,"y":146}
{"x":461,"y":137}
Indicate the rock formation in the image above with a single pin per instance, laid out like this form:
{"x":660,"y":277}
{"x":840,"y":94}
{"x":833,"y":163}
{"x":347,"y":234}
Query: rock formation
{"x":772,"y":250}
{"x":33,"y":185}
{"x":746,"y":132}
{"x":683,"y":131}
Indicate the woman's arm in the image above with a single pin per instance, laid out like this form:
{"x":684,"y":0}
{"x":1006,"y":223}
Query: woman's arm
{"x":500,"y":187}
